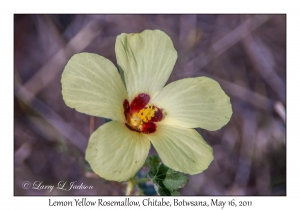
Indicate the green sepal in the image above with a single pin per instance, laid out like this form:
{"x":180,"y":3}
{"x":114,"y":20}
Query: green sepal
{"x":121,"y":71}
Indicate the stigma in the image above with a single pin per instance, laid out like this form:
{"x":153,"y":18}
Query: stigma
{"x":140,"y":116}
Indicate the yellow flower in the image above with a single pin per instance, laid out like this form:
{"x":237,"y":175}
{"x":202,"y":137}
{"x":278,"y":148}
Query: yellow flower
{"x":144,"y":111}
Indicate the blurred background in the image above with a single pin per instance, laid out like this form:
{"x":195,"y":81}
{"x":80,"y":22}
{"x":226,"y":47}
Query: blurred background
{"x":246,"y":54}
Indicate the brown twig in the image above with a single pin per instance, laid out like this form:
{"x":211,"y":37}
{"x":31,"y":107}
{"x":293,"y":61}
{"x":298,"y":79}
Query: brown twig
{"x":54,"y":66}
{"x":224,"y":44}
{"x":51,"y":117}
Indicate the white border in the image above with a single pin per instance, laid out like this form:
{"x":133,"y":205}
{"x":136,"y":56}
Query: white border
{"x":156,"y":6}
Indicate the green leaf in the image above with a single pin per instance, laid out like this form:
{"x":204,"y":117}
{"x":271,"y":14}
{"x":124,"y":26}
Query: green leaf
{"x":153,"y":162}
{"x":166,"y":181}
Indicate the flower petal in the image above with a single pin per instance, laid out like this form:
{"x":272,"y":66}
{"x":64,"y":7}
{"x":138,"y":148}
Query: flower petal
{"x":91,"y":84}
{"x":139,"y":102}
{"x":115,"y":152}
{"x":181,"y":149}
{"x":147,"y":60}
{"x":194,"y":102}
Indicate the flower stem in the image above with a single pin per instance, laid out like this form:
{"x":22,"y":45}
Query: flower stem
{"x":132,"y":182}
{"x":130,"y":186}
{"x":141,"y":180}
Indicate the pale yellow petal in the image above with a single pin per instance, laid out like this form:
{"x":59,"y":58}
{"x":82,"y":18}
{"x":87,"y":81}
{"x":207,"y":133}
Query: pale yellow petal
{"x":194,"y":102}
{"x":147,"y":60}
{"x":115,"y":152}
{"x":92,"y":85}
{"x":181,"y":149}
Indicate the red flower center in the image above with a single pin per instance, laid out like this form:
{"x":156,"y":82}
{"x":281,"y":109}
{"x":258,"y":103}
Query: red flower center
{"x":140,"y":116}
